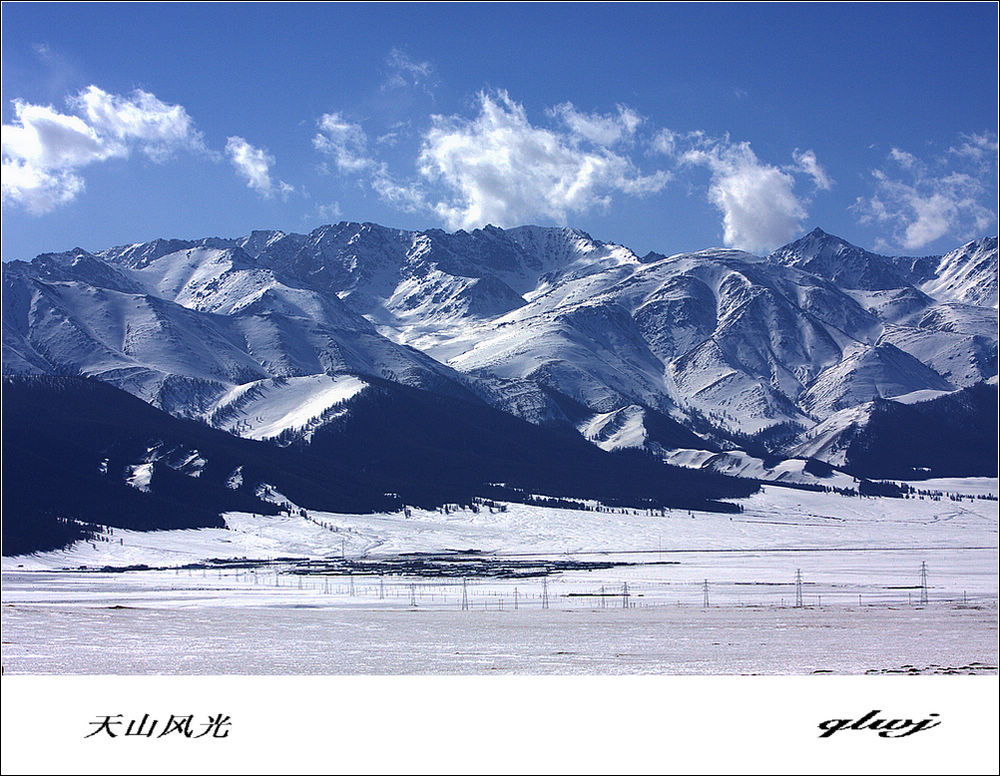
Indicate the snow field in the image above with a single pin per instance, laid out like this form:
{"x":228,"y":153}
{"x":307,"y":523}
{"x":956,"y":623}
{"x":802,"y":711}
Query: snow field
{"x":319,"y":594}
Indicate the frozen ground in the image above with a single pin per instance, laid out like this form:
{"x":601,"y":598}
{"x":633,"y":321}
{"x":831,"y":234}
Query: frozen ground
{"x":666,"y":640}
{"x":547,"y":591}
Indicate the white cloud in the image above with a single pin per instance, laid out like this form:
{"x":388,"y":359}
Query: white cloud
{"x":807,"y":163}
{"x":47,"y":139}
{"x":254,"y":165}
{"x":156,"y":128}
{"x":345,"y":142}
{"x":37,"y":189}
{"x":498,"y":168}
{"x":924,"y":202}
{"x":760,"y":210}
{"x":44,"y":147}
{"x":600,"y":129}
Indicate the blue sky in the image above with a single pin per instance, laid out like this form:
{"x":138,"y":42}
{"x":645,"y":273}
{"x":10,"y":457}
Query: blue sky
{"x":664,"y":127}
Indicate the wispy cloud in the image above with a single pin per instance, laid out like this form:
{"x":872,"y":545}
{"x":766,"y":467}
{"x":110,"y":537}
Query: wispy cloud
{"x":601,"y":129}
{"x":329,"y":212}
{"x":978,"y":147}
{"x":44,"y":149}
{"x":254,"y":165}
{"x":807,"y":163}
{"x":345,"y":142}
{"x":404,"y":72}
{"x":924,"y":200}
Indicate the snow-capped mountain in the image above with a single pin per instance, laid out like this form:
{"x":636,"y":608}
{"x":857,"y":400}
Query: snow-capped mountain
{"x":185,"y":328}
{"x":271,"y":334}
{"x":924,"y":433}
{"x":967,"y":275}
{"x":848,"y":265}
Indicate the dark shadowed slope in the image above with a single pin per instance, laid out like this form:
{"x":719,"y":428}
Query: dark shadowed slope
{"x":83,"y":450}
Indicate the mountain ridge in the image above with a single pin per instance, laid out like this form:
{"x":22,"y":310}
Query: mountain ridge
{"x":546,"y":323}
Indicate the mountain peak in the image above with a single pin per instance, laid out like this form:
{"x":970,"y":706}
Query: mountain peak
{"x":837,"y":260}
{"x":817,"y":237}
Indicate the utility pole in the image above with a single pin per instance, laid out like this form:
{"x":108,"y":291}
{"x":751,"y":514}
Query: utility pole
{"x":798,"y":588}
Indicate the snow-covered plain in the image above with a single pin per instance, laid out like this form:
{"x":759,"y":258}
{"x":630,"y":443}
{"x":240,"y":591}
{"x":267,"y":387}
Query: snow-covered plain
{"x":269,"y":608}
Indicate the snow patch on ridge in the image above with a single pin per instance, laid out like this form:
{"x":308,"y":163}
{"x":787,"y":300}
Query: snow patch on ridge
{"x":736,"y":463}
{"x":265,"y":408}
{"x":616,"y":430}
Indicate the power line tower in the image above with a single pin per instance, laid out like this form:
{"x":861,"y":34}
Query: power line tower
{"x":705,"y":590}
{"x":624,"y":595}
{"x":545,"y":594}
{"x":465,"y":596}
{"x":603,"y":600}
{"x":515,"y":599}
{"x":381,"y":588}
{"x":351,"y":577}
{"x":798,"y":588}
{"x":413,"y":594}
{"x":923,"y":582}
